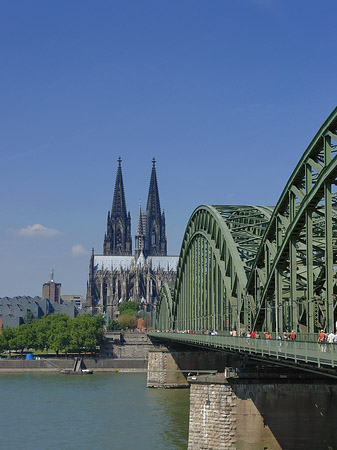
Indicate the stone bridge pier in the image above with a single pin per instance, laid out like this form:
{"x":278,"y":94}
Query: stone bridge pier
{"x":248,"y":405}
{"x":169,"y":367}
{"x":262,"y":414}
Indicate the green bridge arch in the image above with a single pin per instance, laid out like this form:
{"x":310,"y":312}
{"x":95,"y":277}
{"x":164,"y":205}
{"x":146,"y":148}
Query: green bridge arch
{"x":263,"y":268}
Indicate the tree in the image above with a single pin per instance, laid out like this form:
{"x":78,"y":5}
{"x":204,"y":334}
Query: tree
{"x":24,"y":337}
{"x":59,"y":337}
{"x":128,"y":321}
{"x":123,"y":307}
{"x":3,"y":343}
{"x":42,"y":330}
{"x":8,"y":335}
{"x":57,"y":332}
{"x":114,"y":325}
{"x":87,"y":332}
{"x":128,"y":312}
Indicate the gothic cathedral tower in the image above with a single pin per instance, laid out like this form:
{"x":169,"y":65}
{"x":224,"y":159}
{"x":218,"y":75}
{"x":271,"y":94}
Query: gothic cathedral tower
{"x":117,"y":239}
{"x":156,"y":235}
{"x":151,"y":234}
{"x":113,"y":279}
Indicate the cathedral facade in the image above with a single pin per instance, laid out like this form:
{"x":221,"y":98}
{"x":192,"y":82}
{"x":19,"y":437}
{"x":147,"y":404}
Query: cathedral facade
{"x":117,"y":275}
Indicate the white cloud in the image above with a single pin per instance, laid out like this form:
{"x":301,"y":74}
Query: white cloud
{"x":38,"y":230}
{"x":79,"y":250}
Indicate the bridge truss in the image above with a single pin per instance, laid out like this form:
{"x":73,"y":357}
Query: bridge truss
{"x":263,"y":268}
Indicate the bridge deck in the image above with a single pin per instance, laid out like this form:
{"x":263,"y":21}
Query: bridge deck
{"x":296,"y":351}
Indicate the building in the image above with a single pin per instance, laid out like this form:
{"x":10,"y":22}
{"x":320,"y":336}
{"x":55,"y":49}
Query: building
{"x":52,"y":290}
{"x":78,"y":300}
{"x":14,"y":310}
{"x":116,"y":275}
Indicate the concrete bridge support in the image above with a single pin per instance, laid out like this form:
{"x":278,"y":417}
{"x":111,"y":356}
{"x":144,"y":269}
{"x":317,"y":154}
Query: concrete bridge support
{"x":257,"y":414}
{"x":168,"y":368}
{"x":163,"y":371}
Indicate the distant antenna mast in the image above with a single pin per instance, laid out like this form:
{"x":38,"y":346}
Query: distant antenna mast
{"x":52,"y":275}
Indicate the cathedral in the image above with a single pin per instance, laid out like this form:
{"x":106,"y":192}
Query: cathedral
{"x":117,"y":275}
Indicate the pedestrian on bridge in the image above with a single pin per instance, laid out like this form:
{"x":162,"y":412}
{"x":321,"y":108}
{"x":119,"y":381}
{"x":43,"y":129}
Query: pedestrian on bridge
{"x":330,"y":340}
{"x":322,"y":340}
{"x":268,"y":337}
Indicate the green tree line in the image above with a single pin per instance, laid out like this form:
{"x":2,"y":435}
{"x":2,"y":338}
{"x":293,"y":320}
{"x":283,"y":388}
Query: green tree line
{"x":56,"y":332}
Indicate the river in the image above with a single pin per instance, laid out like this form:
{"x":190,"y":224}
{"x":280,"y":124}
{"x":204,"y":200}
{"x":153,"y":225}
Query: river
{"x":110,"y":411}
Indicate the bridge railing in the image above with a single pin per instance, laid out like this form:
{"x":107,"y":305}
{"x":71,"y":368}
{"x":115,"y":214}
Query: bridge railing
{"x":309,"y":352}
{"x":306,"y":337}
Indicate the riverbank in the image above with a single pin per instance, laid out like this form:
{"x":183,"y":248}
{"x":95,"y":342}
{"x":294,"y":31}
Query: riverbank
{"x":120,"y":352}
{"x":56,"y":364}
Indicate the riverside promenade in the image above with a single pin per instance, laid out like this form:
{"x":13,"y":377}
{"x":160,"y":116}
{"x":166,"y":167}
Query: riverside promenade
{"x":121,"y":352}
{"x":13,"y":365}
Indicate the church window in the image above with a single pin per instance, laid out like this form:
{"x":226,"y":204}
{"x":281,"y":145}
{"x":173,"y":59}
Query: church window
{"x":153,"y":238}
{"x":119,"y":237}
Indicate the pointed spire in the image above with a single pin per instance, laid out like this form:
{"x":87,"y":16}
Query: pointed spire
{"x":155,"y":242}
{"x":119,"y":205}
{"x":118,"y":235}
{"x":153,"y":202}
{"x":140,"y":230}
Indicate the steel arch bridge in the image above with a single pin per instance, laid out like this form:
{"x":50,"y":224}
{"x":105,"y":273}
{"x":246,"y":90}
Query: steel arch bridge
{"x":263,"y":268}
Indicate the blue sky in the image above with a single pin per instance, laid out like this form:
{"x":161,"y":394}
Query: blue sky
{"x":225,"y":94}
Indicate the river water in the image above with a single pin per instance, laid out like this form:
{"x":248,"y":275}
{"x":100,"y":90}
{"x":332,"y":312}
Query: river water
{"x":111,"y":411}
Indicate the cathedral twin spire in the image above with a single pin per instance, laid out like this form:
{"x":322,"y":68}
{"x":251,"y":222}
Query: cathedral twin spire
{"x":117,"y":239}
{"x":150,"y":238}
{"x":119,"y":204}
{"x":153,"y":203}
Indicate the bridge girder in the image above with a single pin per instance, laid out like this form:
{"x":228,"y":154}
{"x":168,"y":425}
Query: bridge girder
{"x":164,"y":308}
{"x":294,"y":286}
{"x":218,"y":248}
{"x":264,"y":268}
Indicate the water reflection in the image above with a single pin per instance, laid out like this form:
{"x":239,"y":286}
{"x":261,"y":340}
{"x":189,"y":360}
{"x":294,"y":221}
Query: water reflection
{"x":103,"y":411}
{"x":175,"y":403}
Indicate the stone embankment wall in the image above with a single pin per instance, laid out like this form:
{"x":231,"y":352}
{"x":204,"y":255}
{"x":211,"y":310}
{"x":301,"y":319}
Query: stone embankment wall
{"x":255,"y":414}
{"x":56,"y":364}
{"x":127,"y":345}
